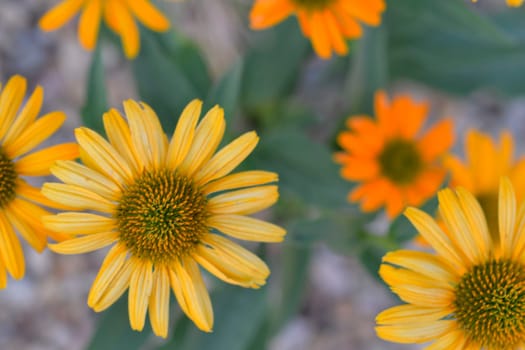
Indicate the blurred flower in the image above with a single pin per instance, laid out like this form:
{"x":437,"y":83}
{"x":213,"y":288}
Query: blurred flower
{"x":117,"y":14}
{"x":395,"y":166}
{"x":328,"y":23}
{"x":159,"y":202}
{"x":485,"y":165}
{"x":470,"y":295}
{"x":20,"y":202}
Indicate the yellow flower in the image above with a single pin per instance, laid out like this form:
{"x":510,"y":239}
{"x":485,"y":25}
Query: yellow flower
{"x":20,"y":203}
{"x":485,"y":165}
{"x":471,"y":293}
{"x":165,"y":207}
{"x":328,"y":23}
{"x":395,"y":165}
{"x":118,"y":15}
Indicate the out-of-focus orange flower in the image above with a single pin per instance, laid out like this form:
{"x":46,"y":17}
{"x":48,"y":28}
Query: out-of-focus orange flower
{"x":118,"y":14}
{"x":395,"y":164}
{"x":328,"y":23}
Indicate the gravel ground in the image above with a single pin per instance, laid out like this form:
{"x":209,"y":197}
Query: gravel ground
{"x":47,"y":309}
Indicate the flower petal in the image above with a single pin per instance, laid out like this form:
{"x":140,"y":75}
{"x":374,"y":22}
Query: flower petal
{"x":159,"y":303}
{"x":245,"y":201}
{"x":79,"y":223}
{"x":240,"y":180}
{"x":247,"y":228}
{"x":85,"y":244}
{"x":139,"y":293}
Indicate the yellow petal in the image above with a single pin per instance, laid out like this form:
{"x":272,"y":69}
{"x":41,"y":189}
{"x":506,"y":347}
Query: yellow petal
{"x":458,"y":227}
{"x":73,"y":173}
{"x":26,"y":116}
{"x":240,"y":180}
{"x":107,"y":273}
{"x":140,"y":286}
{"x":231,"y":262}
{"x":36,"y":239}
{"x":192,"y":293}
{"x":108,"y":160}
{"x":60,"y":14}
{"x":417,"y":332}
{"x":455,"y":339}
{"x":10,"y":101}
{"x":247,"y":228}
{"x":89,"y":24}
{"x":227,"y":158}
{"x":506,"y":216}
{"x":33,"y":194}
{"x":79,"y":223}
{"x":117,"y":131}
{"x":85,"y":244}
{"x":149,"y":15}
{"x":183,"y":135}
{"x":128,"y":29}
{"x":207,"y":138}
{"x":245,"y":201}
{"x":159,"y":304}
{"x":146,"y":134}
{"x":116,"y":287}
{"x":404,"y":314}
{"x":433,"y":234}
{"x":77,"y":197}
{"x":3,"y":275}
{"x":40,"y":162}
{"x":35,"y":134}
{"x":11,"y":250}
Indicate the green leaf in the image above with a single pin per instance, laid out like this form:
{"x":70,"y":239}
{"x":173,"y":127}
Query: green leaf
{"x":368,"y":71}
{"x":169,"y":73}
{"x":239,"y":315}
{"x":113,"y":330}
{"x":273,"y":64}
{"x":305,"y":168}
{"x":226,"y":93}
{"x":96,"y":103}
{"x":449,"y":46}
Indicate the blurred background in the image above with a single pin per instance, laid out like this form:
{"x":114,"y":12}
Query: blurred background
{"x":468,"y":61}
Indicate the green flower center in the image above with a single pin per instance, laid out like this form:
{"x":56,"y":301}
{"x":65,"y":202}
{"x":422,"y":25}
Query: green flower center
{"x":8,"y":177}
{"x":313,"y":4}
{"x":490,"y":304}
{"x":400,"y":161}
{"x":161,"y":216}
{"x":489,"y":205}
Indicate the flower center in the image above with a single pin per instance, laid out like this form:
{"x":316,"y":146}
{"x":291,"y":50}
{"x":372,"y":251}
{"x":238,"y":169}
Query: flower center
{"x":313,"y":4}
{"x":490,"y":304}
{"x":8,"y":177}
{"x":161,"y":216}
{"x":489,"y":205}
{"x":400,"y":161}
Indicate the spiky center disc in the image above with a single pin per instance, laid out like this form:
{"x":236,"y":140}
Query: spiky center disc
{"x":400,"y":161}
{"x":490,"y":304}
{"x":161,"y":216}
{"x":8,"y":177}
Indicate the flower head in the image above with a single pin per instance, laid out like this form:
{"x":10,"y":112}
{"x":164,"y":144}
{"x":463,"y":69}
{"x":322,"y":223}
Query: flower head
{"x":118,"y":15}
{"x":328,"y":23}
{"x":395,"y":165}
{"x":485,"y":164}
{"x":165,"y":207}
{"x":471,"y":293}
{"x":20,"y":202}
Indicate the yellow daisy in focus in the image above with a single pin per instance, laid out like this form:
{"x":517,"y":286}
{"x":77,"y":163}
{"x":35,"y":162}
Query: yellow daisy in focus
{"x":395,"y":164}
{"x":327,"y":23}
{"x":118,"y":15}
{"x":471,"y":294}
{"x":20,"y":202}
{"x":485,"y":164}
{"x":165,"y":207}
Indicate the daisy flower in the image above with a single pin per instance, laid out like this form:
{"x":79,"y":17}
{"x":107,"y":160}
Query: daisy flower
{"x":118,"y":15}
{"x":470,"y":294}
{"x":21,"y":203}
{"x":327,"y":23}
{"x":165,"y":207}
{"x":395,"y":164}
{"x":485,"y":164}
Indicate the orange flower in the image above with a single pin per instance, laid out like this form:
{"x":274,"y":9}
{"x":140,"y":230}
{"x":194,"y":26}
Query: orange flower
{"x":118,"y":15}
{"x":326,"y":22}
{"x":395,"y":166}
